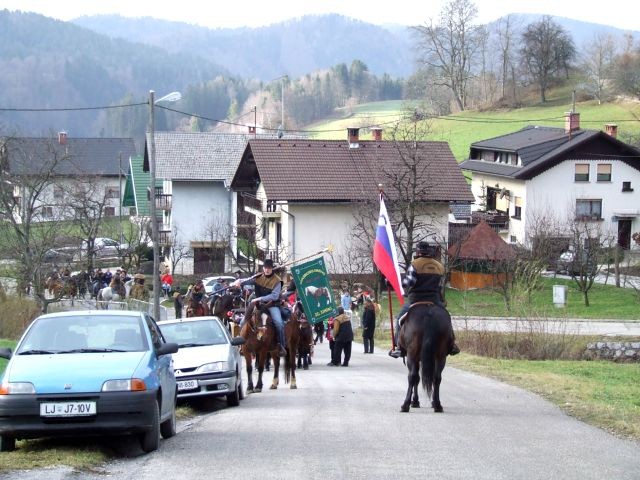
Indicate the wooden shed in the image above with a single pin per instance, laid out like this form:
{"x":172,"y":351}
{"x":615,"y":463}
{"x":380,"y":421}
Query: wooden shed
{"x":479,"y":260}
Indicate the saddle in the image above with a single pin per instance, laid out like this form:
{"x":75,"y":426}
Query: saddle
{"x":426,"y":302}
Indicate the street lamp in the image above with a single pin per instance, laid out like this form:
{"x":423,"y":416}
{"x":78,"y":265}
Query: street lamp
{"x":171,"y":97}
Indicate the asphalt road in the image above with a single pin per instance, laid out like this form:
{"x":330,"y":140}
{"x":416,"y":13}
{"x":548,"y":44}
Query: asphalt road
{"x":345,"y":423}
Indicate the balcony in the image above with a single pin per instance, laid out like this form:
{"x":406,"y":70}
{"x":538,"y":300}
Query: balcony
{"x":497,"y":220}
{"x":164,"y":236}
{"x":163,"y":201}
{"x":272,"y":210}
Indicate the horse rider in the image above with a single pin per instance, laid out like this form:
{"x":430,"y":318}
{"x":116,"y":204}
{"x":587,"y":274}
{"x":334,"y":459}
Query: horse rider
{"x":138,"y":290}
{"x":267,"y":294}
{"x":424,"y":282}
{"x":117,"y":287}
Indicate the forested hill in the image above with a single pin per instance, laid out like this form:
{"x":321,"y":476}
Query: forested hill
{"x":50,"y":63}
{"x":295,"y":47}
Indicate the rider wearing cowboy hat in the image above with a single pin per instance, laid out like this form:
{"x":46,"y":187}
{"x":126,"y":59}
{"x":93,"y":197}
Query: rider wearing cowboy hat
{"x":423,"y":281}
{"x":267,"y":293}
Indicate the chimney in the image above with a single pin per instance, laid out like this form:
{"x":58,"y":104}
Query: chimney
{"x":571,"y":122}
{"x":62,"y":138}
{"x":252,"y":130}
{"x":377,"y":134}
{"x":354,"y":137}
{"x":611,"y":129}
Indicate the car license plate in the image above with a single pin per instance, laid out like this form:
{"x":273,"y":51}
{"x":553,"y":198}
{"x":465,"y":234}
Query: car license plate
{"x":67,"y":409}
{"x":187,"y":385}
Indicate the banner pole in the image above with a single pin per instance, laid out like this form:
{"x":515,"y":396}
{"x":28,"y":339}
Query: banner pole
{"x":393,"y":337}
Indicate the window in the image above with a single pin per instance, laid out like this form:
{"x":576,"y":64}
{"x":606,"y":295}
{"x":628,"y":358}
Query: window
{"x":109,"y":211}
{"x":47,"y":212}
{"x":589,"y":209}
{"x":604,"y":172}
{"x":58,"y":193}
{"x":111,"y":192}
{"x":626,"y":187}
{"x":517,"y":208}
{"x":513,"y":239}
{"x":582,"y":172}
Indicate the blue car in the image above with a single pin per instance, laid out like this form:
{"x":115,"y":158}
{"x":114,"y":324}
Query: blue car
{"x":89,"y":373}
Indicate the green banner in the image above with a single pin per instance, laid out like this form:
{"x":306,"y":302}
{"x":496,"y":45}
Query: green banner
{"x":314,"y":290}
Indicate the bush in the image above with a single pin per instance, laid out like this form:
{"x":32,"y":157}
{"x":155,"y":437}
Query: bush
{"x":16,"y":314}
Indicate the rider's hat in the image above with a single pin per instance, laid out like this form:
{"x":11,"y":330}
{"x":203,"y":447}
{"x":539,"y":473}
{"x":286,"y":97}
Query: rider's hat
{"x":268,"y":263}
{"x":139,"y":276}
{"x":423,"y":247}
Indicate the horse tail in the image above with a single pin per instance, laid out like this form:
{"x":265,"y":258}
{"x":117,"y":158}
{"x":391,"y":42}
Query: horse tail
{"x":428,"y":355}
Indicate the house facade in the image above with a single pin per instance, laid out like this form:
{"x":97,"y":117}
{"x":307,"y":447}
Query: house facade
{"x":95,"y":165}
{"x":309,"y":194}
{"x":569,"y":173}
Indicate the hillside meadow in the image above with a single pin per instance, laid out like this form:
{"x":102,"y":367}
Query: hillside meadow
{"x":462,"y":129}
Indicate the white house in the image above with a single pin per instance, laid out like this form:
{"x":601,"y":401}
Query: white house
{"x":65,"y":164}
{"x":308,"y":192}
{"x":578,"y":174}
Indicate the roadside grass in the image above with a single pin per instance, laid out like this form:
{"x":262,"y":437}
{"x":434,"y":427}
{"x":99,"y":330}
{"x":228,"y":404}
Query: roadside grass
{"x":601,"y":393}
{"x":606,"y":302}
{"x":462,"y":129}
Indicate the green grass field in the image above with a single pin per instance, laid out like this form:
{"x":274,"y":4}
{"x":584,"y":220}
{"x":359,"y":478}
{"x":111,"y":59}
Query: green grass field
{"x":462,"y":129}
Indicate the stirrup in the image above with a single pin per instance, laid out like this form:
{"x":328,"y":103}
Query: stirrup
{"x":395,"y":353}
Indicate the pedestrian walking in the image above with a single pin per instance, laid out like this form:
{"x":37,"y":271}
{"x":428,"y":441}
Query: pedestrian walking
{"x":343,"y":334}
{"x":368,"y":325}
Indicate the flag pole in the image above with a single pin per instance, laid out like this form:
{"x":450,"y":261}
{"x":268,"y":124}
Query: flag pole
{"x":393,"y":337}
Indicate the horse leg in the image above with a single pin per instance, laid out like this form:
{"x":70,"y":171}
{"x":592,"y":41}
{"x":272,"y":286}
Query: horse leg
{"x":276,"y":371}
{"x":435,"y":403}
{"x":292,"y":360}
{"x":260,"y":357}
{"x":413,"y":378}
{"x":247,"y":361}
{"x":306,"y":361}
{"x":299,"y":362}
{"x":415,"y":401}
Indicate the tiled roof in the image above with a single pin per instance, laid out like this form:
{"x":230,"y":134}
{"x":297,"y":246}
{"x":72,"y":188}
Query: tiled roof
{"x":482,"y":243}
{"x":490,"y":167}
{"x":323,"y":170}
{"x":199,"y":155}
{"x":461,"y":211}
{"x":526,"y":137}
{"x":79,"y":156}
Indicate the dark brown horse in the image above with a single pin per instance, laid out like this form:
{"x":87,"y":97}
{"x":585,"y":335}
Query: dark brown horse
{"x":426,"y":336}
{"x":195,"y":308}
{"x":224,"y":307}
{"x":260,"y":340}
{"x":305,"y":342}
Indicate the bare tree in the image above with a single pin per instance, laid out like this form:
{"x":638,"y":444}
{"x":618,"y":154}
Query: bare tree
{"x":597,"y":62}
{"x":29,"y":210}
{"x":547,"y":48}
{"x":506,"y":34}
{"x":449,"y":47}
{"x":627,"y":71}
{"x":178,"y":251}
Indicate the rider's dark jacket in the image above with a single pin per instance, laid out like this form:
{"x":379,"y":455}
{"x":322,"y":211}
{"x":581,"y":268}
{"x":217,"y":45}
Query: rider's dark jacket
{"x":265,"y":286}
{"x":428,"y":274}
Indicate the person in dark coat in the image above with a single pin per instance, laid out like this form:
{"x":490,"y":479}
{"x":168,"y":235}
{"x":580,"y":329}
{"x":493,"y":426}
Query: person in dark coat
{"x":343,"y":334}
{"x":368,"y":326}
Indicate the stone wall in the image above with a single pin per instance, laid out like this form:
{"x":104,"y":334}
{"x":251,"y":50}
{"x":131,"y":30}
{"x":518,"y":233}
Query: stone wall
{"x":616,"y":351}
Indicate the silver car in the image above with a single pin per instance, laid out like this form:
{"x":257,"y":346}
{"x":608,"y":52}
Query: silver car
{"x":208,"y":362}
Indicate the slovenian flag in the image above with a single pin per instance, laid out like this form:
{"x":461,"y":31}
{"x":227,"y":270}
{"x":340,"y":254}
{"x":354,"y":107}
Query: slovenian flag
{"x":384,"y":252}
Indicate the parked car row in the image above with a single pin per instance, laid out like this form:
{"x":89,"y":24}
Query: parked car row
{"x":113,"y":372}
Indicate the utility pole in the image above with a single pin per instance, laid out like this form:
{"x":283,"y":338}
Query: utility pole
{"x":120,"y":196}
{"x":152,"y":208}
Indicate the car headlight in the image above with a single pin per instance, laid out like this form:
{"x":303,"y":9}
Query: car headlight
{"x":213,"y":367}
{"x":17,"y":388}
{"x":124,"y":385}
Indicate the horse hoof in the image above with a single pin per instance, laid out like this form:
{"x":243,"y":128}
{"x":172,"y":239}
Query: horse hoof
{"x":404,"y":408}
{"x":415,"y":404}
{"x":273,"y":387}
{"x":250,"y":390}
{"x":438,"y":409}
{"x":257,"y":390}
{"x":293,"y":387}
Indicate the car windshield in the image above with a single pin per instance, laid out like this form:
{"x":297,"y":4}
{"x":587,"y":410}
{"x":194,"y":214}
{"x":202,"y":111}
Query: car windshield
{"x":196,"y":333}
{"x":84,"y":333}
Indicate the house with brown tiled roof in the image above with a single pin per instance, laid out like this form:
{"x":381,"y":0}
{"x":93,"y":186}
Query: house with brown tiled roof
{"x":573,"y":173}
{"x":308,"y":191}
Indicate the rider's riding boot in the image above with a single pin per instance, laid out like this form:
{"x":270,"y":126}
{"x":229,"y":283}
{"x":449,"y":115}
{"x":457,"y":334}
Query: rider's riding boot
{"x":395,"y":352}
{"x":281,"y":351}
{"x":454,"y":350}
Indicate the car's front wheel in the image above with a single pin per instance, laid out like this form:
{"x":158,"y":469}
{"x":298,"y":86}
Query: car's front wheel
{"x":150,"y":440}
{"x":168,"y":427}
{"x":233,"y":399}
{"x":7,"y":444}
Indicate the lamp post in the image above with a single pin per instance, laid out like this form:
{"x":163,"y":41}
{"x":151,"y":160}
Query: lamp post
{"x":171,"y":97}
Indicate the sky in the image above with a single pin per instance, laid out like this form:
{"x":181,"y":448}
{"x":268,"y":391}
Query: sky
{"x":254,"y":13}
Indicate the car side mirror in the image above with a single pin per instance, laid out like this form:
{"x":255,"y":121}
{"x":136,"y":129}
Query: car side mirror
{"x":166,"y":348}
{"x":237,"y":341}
{"x":5,"y":353}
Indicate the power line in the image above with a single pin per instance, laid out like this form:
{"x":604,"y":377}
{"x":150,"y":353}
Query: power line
{"x":71,"y":109}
